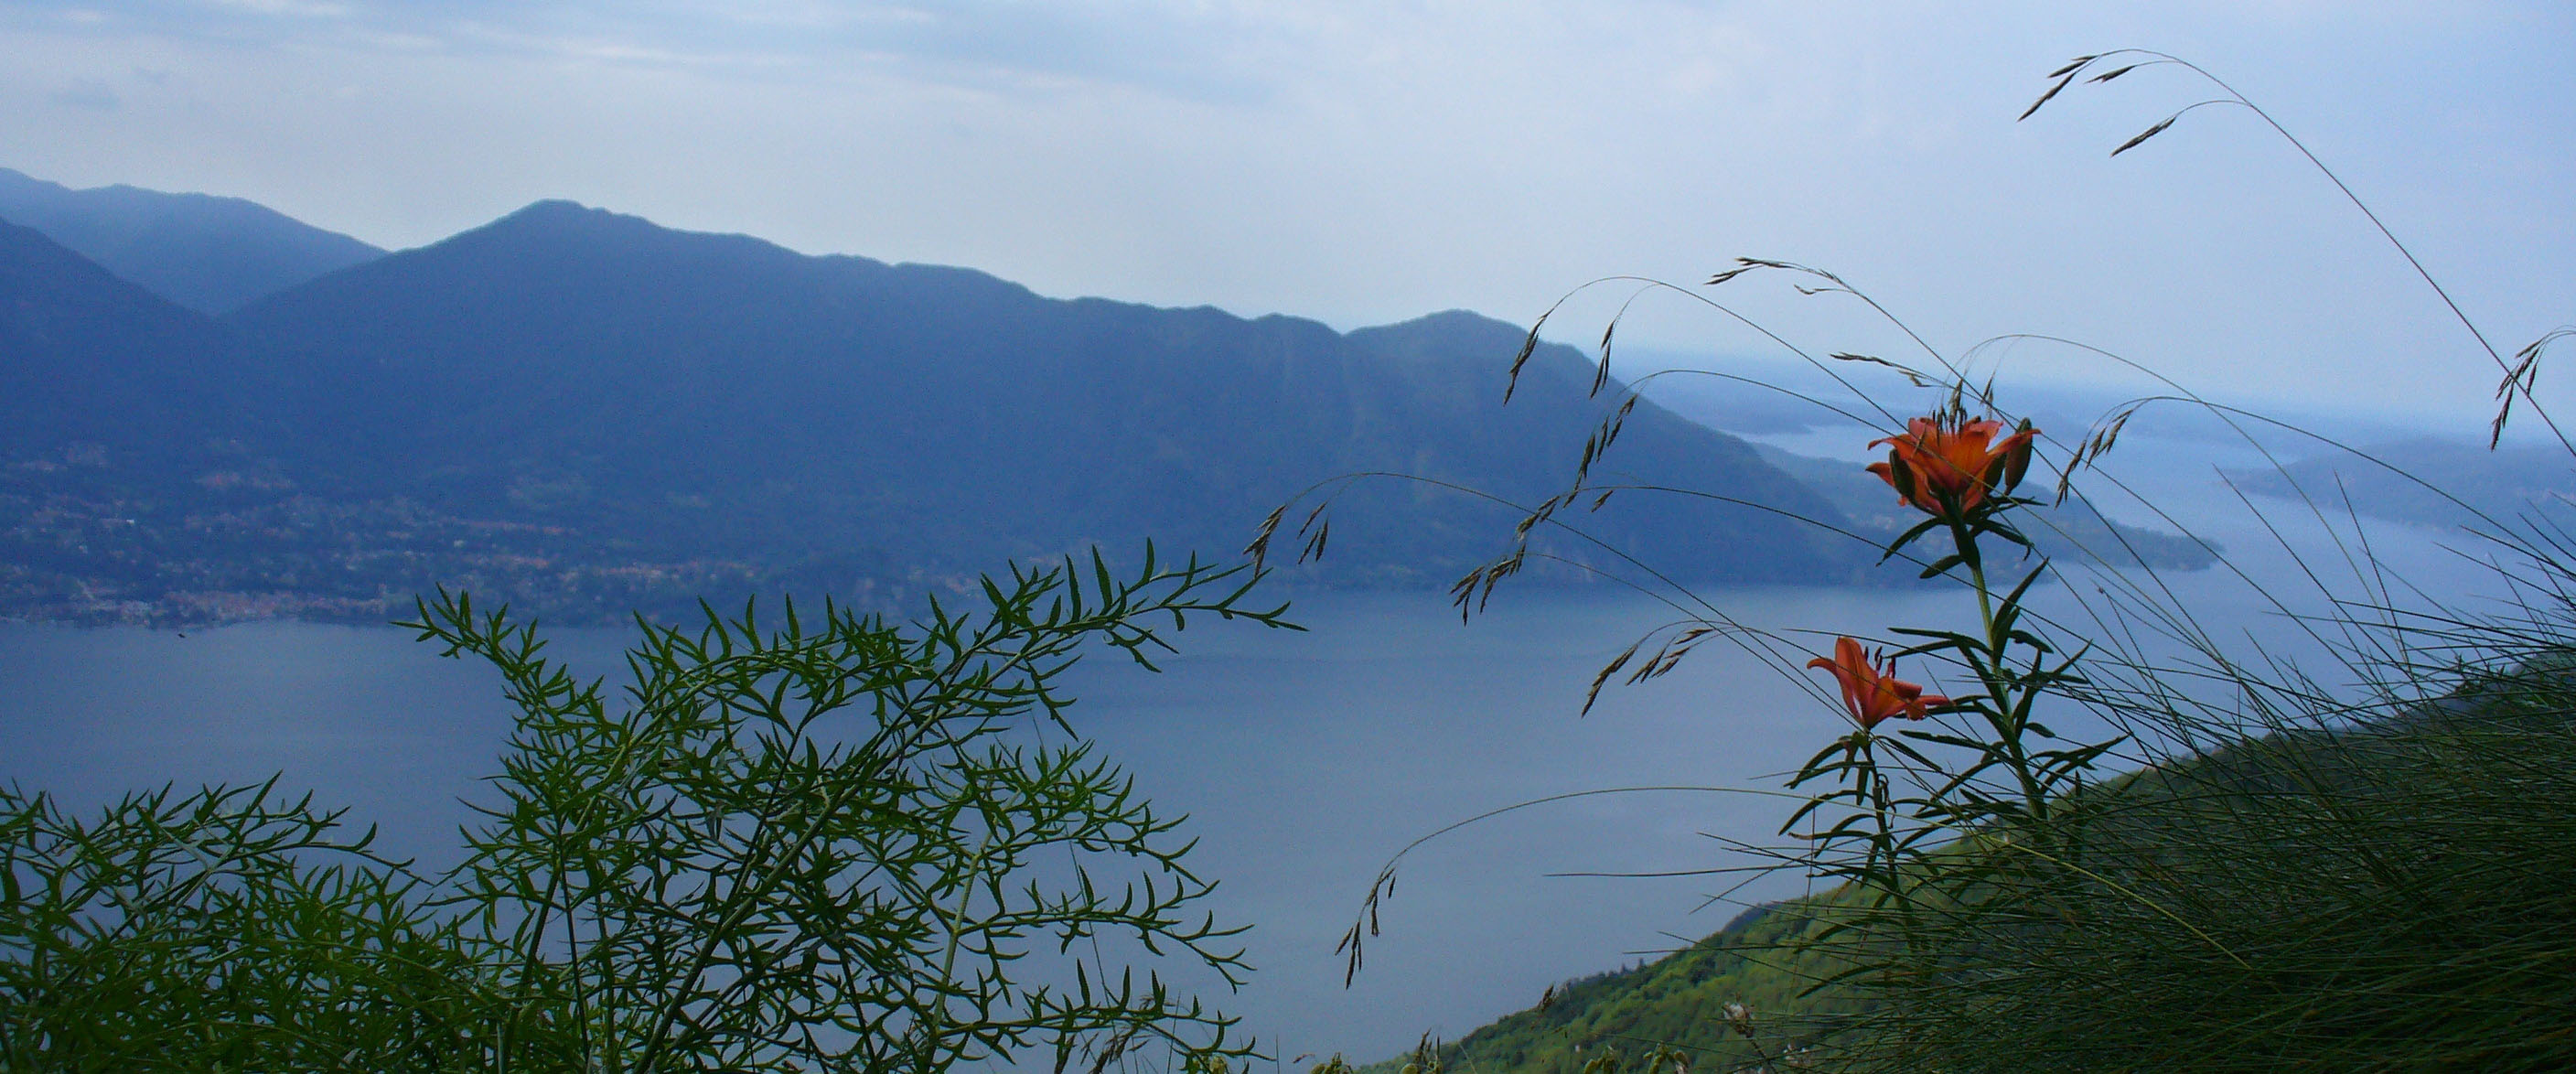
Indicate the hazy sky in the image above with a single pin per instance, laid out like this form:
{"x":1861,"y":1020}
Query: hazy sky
{"x":1368,"y":162}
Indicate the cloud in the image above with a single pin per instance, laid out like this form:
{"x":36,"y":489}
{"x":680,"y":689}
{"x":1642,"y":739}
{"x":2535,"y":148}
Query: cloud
{"x":1185,"y":50}
{"x":88,"y":94}
{"x":1162,"y":48}
{"x":305,"y":9}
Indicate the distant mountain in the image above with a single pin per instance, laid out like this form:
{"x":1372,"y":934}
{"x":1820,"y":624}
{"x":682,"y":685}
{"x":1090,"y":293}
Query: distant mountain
{"x":585,"y":413}
{"x":2432,"y":482}
{"x":207,"y":253}
{"x":90,"y":359}
{"x":145,"y":474}
{"x":572,"y":367}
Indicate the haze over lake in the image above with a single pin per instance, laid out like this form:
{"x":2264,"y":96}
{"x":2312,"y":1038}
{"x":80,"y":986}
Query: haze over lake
{"x":1305,"y":759}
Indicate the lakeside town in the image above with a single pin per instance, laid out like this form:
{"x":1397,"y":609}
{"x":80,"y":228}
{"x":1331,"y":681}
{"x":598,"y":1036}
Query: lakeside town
{"x":82,"y":544}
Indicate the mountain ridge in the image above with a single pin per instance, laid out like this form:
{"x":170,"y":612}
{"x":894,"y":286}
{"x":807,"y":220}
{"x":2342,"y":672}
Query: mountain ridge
{"x":202,"y":251}
{"x":97,"y":359}
{"x":597,"y":321}
{"x":686,"y":403}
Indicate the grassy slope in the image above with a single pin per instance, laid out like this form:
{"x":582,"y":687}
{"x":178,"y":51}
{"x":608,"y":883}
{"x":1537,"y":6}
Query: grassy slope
{"x":1680,"y":1000}
{"x":2396,"y":897}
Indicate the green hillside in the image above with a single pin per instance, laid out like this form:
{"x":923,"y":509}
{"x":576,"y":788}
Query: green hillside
{"x":1762,"y":961}
{"x":2393,"y":894}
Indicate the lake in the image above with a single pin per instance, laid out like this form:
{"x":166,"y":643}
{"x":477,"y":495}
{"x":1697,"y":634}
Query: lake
{"x":1304,"y":759}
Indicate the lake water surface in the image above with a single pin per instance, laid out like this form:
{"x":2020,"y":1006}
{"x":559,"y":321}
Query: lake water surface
{"x":1305,"y":760}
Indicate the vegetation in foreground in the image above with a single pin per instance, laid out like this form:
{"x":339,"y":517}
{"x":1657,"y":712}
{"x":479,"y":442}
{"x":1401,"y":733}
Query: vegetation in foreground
{"x":2390,"y":895}
{"x":2356,"y":859}
{"x":805,"y":843}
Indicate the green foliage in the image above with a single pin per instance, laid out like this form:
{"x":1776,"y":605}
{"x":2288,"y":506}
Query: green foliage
{"x":806,"y":843}
{"x":225,"y":929}
{"x":2387,"y":896}
{"x":1762,"y":966}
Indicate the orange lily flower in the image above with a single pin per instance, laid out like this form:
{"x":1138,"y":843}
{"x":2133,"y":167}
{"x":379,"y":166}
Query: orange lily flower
{"x":1948,"y":457}
{"x":1871,"y":689}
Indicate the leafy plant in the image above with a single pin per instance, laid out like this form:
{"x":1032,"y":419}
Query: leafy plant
{"x":229,"y":928}
{"x":803,"y":843}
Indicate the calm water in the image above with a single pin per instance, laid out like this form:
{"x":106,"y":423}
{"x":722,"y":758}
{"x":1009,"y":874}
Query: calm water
{"x":1305,"y":760}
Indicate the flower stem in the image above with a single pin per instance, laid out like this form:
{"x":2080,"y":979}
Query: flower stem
{"x":2003,"y":689}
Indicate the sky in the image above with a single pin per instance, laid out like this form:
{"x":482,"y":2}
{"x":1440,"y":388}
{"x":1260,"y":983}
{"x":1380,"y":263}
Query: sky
{"x":1363,"y":163}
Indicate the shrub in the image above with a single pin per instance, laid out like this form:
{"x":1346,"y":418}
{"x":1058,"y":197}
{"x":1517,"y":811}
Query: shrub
{"x":806,"y":842}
